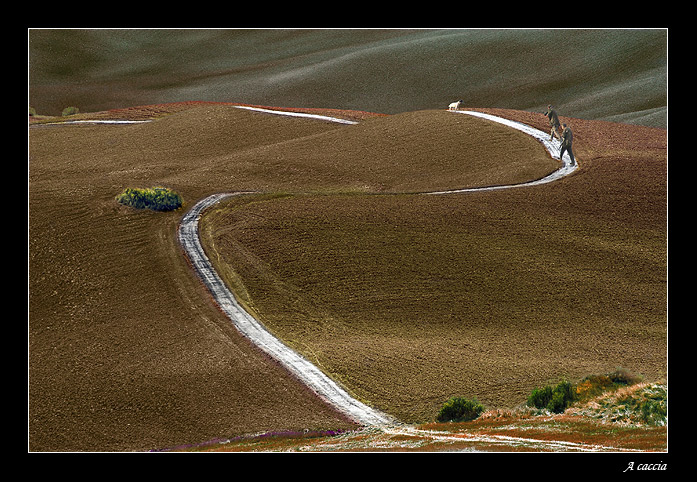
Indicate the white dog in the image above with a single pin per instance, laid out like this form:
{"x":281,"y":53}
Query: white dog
{"x":455,"y":105}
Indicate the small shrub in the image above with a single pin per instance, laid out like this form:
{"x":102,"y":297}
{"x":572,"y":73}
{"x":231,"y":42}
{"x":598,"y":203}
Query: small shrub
{"x":555,"y":399}
{"x":70,"y":111}
{"x":593,"y":386}
{"x":562,"y":396}
{"x":459,"y":409}
{"x":653,"y":412}
{"x":540,"y":397}
{"x":156,"y":198}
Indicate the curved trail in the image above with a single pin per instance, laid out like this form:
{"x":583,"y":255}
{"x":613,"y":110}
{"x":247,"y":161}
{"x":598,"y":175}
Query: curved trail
{"x":308,"y":373}
{"x":553,"y":147}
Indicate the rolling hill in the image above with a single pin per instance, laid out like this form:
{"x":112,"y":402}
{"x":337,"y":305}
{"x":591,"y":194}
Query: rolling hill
{"x":618,"y":75}
{"x":403,"y":298}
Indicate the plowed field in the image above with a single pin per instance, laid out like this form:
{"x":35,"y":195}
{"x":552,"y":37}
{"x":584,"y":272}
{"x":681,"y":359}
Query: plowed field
{"x":403,"y":298}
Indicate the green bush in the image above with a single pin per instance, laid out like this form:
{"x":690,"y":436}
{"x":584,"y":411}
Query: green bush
{"x":540,"y":397}
{"x":459,"y":409}
{"x":70,"y":111}
{"x":555,"y":399}
{"x":562,"y":396}
{"x":156,"y":198}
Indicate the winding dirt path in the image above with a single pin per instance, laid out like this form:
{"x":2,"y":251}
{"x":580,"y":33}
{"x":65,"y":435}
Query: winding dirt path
{"x":553,"y":146}
{"x":308,"y":373}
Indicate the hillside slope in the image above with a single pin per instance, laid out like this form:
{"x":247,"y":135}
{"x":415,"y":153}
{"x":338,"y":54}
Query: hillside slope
{"x":127,"y":350}
{"x":617,"y":75}
{"x":410,"y":299}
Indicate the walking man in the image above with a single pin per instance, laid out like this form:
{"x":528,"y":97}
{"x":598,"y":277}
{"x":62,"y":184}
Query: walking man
{"x":567,"y":139}
{"x":554,"y":122}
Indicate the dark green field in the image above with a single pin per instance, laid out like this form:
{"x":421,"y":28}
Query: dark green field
{"x":619,"y":75}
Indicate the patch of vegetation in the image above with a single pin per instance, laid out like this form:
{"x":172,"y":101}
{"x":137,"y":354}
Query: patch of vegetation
{"x":596,"y":385}
{"x":555,"y":399}
{"x":70,"y":111}
{"x":618,"y":397}
{"x":643,"y":404}
{"x":156,"y":198}
{"x":649,"y":405}
{"x":459,"y":409}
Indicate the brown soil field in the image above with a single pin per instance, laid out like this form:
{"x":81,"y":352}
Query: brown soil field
{"x":403,"y":298}
{"x":408,"y":300}
{"x":126,"y":349}
{"x":150,"y":112}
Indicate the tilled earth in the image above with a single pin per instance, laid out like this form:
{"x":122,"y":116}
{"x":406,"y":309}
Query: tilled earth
{"x":405,"y":299}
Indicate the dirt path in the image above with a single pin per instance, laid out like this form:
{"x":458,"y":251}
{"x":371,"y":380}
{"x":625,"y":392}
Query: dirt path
{"x":297,"y":114}
{"x":252,"y":329}
{"x":308,"y":373}
{"x":553,"y":147}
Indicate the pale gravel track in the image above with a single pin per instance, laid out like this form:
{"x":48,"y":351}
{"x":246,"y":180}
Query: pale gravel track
{"x":553,"y":146}
{"x":308,"y":373}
